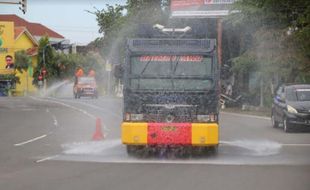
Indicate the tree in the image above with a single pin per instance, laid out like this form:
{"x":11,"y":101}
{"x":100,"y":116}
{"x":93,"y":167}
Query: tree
{"x":22,"y":60}
{"x":46,"y":60}
{"x":119,"y":22}
{"x":271,"y":38}
{"x":278,"y":31}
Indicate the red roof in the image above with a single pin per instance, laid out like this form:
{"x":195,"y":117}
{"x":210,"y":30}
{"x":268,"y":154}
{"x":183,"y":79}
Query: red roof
{"x":32,"y":51}
{"x":18,"y":31}
{"x":35,"y":29}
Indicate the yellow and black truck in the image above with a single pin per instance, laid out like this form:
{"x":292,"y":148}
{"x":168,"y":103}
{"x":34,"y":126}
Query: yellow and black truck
{"x":171,"y":92}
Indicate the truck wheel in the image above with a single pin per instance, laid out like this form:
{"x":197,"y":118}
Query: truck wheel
{"x":134,"y":150}
{"x":131,"y":150}
{"x":213,"y":150}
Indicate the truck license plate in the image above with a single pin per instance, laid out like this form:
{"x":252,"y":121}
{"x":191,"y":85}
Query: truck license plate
{"x":168,"y":128}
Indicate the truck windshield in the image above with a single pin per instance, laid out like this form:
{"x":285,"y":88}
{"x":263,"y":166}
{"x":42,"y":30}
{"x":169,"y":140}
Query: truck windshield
{"x":86,"y":80}
{"x":183,"y":72}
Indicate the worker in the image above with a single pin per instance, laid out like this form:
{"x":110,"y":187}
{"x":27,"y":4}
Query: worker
{"x":91,"y":73}
{"x":78,"y":73}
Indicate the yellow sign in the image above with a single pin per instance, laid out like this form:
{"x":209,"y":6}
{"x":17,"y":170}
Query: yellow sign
{"x":7,"y":71}
{"x":108,"y":67}
{"x":6,"y":41}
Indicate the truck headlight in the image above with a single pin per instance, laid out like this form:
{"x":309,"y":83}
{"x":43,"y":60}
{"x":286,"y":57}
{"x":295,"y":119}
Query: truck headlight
{"x":134,"y":117}
{"x":290,"y":109}
{"x":207,"y":118}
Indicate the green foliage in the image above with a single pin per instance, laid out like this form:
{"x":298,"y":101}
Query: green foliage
{"x":67,"y":64}
{"x":11,"y":77}
{"x":279,"y":37}
{"x":120,"y":22}
{"x":244,"y":64}
{"x":46,"y":57}
{"x":22,"y":60}
{"x":8,"y":82}
{"x":62,"y":66}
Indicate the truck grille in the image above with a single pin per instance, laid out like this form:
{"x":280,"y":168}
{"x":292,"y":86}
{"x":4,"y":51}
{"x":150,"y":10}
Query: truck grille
{"x":170,"y":113}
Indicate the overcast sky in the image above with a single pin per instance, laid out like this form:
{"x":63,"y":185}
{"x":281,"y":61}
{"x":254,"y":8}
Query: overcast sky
{"x":67,"y":17}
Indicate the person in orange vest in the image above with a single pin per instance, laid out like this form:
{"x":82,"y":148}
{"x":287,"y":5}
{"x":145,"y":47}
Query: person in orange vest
{"x":91,"y":73}
{"x":78,"y":73}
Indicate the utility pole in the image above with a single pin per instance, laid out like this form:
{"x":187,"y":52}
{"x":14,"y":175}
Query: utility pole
{"x":44,"y":70}
{"x":219,"y":40}
{"x":261,"y":102}
{"x":108,"y":68}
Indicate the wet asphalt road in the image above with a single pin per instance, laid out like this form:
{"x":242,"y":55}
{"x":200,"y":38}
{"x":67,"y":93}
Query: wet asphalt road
{"x":46,"y":144}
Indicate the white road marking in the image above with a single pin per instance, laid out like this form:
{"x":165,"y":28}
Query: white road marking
{"x":31,"y":140}
{"x":246,"y":115}
{"x":93,"y":106}
{"x":66,"y":105}
{"x":297,"y":145}
{"x":235,"y":143}
{"x":85,"y":112}
{"x":55,"y":120}
{"x":28,"y":109}
{"x":53,"y":116}
{"x":105,"y":128}
{"x":47,"y":158}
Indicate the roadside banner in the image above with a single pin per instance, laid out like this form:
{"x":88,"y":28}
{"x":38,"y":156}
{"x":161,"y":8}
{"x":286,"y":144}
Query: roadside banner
{"x":201,"y":8}
{"x":108,"y":67}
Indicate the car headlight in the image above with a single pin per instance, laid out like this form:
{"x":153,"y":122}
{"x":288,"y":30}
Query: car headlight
{"x":134,"y":117}
{"x":290,"y":109}
{"x":207,"y":118}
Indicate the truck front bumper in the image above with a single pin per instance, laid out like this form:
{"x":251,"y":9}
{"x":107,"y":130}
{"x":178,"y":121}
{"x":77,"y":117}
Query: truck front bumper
{"x":195,"y":134}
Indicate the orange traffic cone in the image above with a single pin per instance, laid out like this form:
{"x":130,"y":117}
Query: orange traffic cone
{"x":98,"y":135}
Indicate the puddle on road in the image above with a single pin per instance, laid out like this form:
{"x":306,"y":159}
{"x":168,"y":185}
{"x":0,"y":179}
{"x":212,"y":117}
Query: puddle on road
{"x":249,"y":147}
{"x":256,"y":147}
{"x":238,"y":152}
{"x":90,"y":148}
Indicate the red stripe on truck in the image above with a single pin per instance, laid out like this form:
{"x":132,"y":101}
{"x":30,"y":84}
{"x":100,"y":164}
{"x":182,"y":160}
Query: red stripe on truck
{"x":169,"y":133}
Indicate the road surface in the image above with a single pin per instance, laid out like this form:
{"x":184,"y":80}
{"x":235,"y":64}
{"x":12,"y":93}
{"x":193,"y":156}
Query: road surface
{"x":46,"y":144}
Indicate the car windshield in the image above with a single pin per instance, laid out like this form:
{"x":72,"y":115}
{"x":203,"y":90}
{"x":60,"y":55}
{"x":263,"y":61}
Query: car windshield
{"x":183,"y":72}
{"x":303,"y":94}
{"x":86,"y":80}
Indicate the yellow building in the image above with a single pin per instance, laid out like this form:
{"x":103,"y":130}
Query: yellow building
{"x":25,"y":41}
{"x":6,"y":41}
{"x":13,"y":39}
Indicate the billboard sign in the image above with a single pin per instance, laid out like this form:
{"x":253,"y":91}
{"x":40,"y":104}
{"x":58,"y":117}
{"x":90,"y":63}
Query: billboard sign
{"x":200,"y":8}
